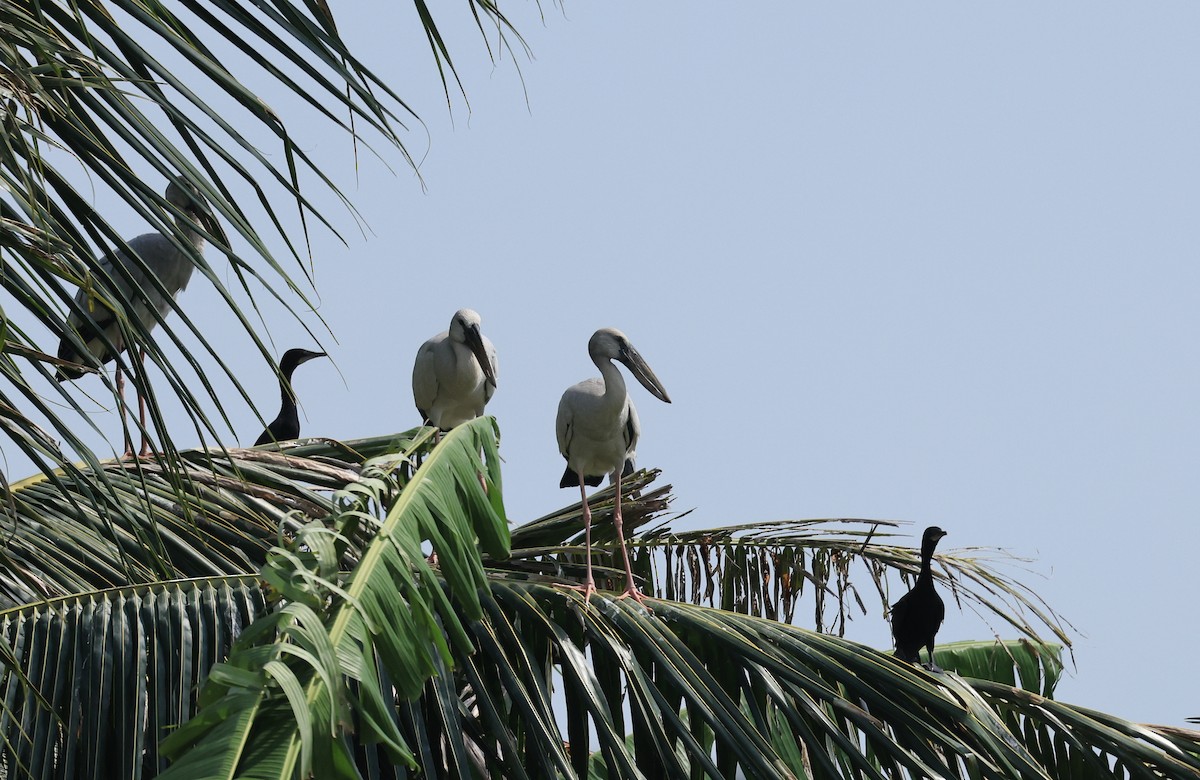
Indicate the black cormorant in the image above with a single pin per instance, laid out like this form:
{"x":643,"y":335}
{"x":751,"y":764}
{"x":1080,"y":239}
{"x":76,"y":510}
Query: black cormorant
{"x":918,"y":614}
{"x":287,"y":425}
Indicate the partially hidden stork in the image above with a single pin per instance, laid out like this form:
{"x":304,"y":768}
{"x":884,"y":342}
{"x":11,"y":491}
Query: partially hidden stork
{"x":286,"y":425}
{"x":454,"y":375}
{"x":918,"y":615}
{"x":98,"y":327}
{"x":598,"y":432}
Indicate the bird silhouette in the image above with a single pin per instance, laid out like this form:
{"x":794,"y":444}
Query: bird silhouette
{"x":918,"y":614}
{"x":286,"y":425}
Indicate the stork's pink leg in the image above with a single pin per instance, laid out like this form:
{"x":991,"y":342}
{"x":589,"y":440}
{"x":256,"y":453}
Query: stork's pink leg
{"x":145,"y":448}
{"x":631,"y":588}
{"x":589,"y":585}
{"x":121,"y":396}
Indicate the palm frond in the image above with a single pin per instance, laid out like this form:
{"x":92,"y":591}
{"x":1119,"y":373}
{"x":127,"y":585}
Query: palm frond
{"x":214,"y":513}
{"x":362,"y":658}
{"x":555,"y":688}
{"x":390,"y":616}
{"x":134,"y":93}
{"x":1072,"y":741}
{"x":117,"y":613}
{"x":96,"y":679}
{"x":766,"y":569}
{"x":1015,"y":662}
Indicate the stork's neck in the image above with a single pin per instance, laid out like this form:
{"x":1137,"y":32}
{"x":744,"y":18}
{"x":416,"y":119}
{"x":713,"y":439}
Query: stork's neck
{"x":463,"y":356}
{"x":194,"y":236}
{"x":614,"y":383}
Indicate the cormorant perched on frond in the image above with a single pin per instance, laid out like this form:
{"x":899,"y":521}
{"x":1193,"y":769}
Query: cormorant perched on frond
{"x":918,"y":614}
{"x":286,"y":426}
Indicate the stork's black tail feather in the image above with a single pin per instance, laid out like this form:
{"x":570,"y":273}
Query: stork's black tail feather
{"x":64,"y":373}
{"x":67,"y":351}
{"x":570,"y":478}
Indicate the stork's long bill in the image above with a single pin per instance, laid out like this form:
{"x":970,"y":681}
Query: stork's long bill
{"x":192,"y":207}
{"x":213,"y":227}
{"x":474,"y":342}
{"x":201,"y":213}
{"x":632,"y":359}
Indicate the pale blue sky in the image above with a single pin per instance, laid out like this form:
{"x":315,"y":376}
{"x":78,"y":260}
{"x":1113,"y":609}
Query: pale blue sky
{"x":928,"y":263}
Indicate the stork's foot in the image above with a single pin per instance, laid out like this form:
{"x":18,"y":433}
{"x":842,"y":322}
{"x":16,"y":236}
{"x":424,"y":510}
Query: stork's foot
{"x":587,"y":589}
{"x":632,"y":592}
{"x":932,"y":667}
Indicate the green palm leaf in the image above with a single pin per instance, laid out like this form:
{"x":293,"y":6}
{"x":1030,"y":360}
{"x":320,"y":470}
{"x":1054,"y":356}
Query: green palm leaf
{"x":766,"y":569}
{"x":212,"y":514}
{"x":1015,"y":662}
{"x":390,"y":615}
{"x":1077,"y":742}
{"x":96,"y":679}
{"x":710,"y":693}
{"x":134,"y":93}
{"x":362,"y":658}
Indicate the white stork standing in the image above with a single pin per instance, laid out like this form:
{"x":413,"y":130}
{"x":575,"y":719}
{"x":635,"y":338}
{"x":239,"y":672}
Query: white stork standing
{"x":455,"y":373}
{"x":98,"y":327}
{"x":598,"y":433}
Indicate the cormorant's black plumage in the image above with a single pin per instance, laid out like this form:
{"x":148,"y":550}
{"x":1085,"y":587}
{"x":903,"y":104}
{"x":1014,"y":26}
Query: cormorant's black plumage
{"x":287,"y":425}
{"x":918,"y":614}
